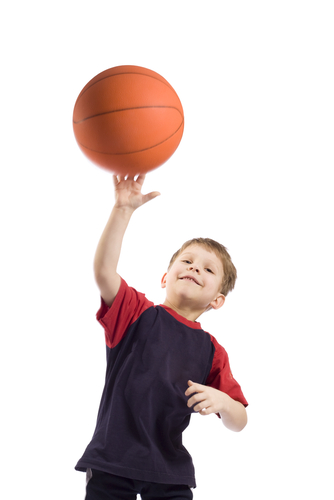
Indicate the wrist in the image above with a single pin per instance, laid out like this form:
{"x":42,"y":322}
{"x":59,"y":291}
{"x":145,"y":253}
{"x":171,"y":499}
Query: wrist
{"x":233,"y":414}
{"x":123,"y":210}
{"x":225,"y":404}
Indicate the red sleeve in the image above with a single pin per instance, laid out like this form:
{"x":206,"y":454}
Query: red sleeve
{"x":126,"y":308}
{"x":220,"y":376}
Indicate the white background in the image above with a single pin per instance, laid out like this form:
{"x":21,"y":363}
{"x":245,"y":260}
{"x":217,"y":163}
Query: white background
{"x":253,"y":170}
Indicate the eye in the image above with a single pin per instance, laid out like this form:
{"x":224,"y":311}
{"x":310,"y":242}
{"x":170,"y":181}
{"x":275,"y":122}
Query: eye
{"x":209,"y":270}
{"x":187,"y":261}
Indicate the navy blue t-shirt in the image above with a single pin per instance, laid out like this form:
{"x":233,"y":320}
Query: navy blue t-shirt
{"x":152,"y":352}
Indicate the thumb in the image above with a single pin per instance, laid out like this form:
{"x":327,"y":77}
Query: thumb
{"x":150,"y":196}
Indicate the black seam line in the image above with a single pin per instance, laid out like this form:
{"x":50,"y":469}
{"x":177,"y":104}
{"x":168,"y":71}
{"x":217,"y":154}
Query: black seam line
{"x":124,"y":109}
{"x":132,"y":152}
{"x":125,"y":73}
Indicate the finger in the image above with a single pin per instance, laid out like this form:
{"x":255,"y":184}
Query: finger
{"x":193,"y":388}
{"x":141,"y":178}
{"x":203,"y":405}
{"x":205,"y":408}
{"x":208,"y":410}
{"x":196,"y":400}
{"x":198,"y":387}
{"x":205,"y":412}
{"x":150,"y":196}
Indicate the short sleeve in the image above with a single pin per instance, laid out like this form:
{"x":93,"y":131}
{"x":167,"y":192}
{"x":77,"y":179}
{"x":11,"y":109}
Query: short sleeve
{"x":125,"y":310}
{"x":220,"y":376}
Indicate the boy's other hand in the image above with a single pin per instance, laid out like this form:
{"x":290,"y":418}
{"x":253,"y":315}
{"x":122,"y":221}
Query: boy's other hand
{"x":128,"y":192}
{"x":204,"y":399}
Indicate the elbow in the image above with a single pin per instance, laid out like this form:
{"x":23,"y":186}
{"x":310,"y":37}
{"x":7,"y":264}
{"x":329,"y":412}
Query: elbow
{"x":101,"y":274}
{"x":243,"y":422}
{"x":241,"y":426}
{"x":236,"y":422}
{"x":98,"y":269}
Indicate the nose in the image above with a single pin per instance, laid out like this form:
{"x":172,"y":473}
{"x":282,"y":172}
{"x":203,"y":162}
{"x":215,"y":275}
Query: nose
{"x":193,"y":267}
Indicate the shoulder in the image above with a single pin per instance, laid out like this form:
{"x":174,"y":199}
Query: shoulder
{"x":127,"y":298}
{"x":128,"y":306}
{"x":220,"y":351}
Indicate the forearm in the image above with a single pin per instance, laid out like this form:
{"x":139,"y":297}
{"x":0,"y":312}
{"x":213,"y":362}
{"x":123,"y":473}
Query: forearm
{"x":128,"y":197}
{"x":109,"y":247}
{"x":233,"y":414}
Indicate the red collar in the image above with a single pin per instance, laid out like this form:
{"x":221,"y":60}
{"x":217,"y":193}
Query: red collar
{"x":182,"y":319}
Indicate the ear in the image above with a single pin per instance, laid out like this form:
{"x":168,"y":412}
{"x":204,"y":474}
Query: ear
{"x":163,"y":281}
{"x":218,"y":302}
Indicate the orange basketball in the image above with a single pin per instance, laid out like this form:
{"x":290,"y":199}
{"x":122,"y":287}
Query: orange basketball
{"x":128,"y":120}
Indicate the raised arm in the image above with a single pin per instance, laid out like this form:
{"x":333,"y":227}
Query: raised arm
{"x":128,"y":197}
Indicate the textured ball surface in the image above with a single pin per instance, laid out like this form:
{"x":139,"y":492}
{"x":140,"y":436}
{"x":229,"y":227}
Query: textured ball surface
{"x":128,"y":120}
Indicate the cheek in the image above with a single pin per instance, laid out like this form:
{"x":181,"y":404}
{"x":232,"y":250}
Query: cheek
{"x":171,"y":276}
{"x":175,"y":271}
{"x":216,"y":284}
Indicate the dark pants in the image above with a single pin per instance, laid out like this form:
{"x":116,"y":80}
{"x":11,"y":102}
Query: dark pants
{"x":103,"y":486}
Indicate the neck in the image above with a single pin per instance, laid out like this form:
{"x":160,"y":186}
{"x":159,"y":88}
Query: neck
{"x":187,"y":313}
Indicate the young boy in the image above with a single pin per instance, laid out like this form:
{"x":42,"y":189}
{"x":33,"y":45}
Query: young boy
{"x":161,"y":365}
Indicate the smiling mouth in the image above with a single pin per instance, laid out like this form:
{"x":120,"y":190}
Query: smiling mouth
{"x":189,"y":278}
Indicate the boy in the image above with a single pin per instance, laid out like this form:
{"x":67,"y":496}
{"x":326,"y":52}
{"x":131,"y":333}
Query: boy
{"x":153,"y":354}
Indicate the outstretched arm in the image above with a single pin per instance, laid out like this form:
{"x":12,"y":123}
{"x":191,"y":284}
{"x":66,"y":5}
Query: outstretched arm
{"x":208,"y":400}
{"x":128,"y":197}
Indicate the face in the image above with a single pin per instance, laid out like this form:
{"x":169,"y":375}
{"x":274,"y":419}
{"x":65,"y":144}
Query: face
{"x":195,"y":280}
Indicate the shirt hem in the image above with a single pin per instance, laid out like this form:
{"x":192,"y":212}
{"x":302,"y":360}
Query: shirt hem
{"x":139,"y":475}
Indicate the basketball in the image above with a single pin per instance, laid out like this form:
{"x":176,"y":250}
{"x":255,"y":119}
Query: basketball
{"x":128,"y":120}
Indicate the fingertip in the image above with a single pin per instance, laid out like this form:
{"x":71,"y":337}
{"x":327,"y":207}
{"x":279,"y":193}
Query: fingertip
{"x":141,"y":178}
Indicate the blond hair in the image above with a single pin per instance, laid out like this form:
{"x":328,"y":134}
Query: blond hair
{"x":230,"y":272}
